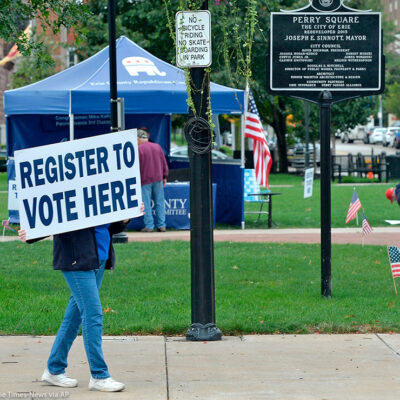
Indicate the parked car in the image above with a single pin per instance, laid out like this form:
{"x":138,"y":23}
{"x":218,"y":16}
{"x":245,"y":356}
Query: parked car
{"x":350,"y":135}
{"x":3,"y":161}
{"x":227,"y":138}
{"x":390,"y":136}
{"x":368,"y":133}
{"x":182,"y":152}
{"x":296,"y":155}
{"x":377,"y":135}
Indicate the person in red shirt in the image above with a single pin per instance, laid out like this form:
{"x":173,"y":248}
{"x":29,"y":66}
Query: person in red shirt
{"x":153,"y":174}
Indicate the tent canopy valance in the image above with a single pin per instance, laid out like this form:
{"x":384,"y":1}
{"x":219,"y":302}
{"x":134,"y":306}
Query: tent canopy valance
{"x":147,"y":84}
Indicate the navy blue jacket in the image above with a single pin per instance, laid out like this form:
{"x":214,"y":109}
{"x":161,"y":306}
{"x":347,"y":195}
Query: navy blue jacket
{"x":77,"y":250}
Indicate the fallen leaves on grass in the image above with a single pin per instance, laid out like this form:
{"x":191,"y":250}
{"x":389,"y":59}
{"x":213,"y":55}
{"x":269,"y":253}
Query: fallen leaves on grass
{"x":108,"y":310}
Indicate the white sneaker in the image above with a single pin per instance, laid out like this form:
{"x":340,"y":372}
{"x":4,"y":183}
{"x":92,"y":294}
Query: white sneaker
{"x":106,"y":385}
{"x":58,"y":380}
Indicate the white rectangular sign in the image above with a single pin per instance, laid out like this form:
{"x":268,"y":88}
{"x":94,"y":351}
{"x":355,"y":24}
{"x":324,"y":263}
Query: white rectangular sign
{"x":74,"y":185}
{"x":193,"y":39}
{"x":12,"y":195}
{"x":308,"y":182}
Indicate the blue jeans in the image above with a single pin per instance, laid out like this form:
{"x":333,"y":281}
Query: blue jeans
{"x":84,"y":308}
{"x":154,"y":191}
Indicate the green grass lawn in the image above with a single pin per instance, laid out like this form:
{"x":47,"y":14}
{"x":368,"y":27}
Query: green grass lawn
{"x":260,"y":288}
{"x":291,"y":210}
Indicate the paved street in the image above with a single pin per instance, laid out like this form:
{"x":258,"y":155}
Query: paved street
{"x":359,"y":147}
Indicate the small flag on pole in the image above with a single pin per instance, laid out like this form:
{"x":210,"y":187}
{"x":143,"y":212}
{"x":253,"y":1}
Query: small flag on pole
{"x":355,"y":205}
{"x":394,"y":259}
{"x":366,"y":227}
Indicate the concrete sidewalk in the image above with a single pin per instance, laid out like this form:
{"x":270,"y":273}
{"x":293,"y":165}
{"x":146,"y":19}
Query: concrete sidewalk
{"x":282,"y":367}
{"x":379,"y":236}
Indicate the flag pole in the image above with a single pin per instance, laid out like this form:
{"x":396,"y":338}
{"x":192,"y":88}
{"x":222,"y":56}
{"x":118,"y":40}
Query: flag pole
{"x":243,"y":118}
{"x":242,"y":144}
{"x":362,"y":233}
{"x":357,"y":211}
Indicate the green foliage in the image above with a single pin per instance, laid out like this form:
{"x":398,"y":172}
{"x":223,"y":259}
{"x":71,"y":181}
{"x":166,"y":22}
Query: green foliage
{"x":34,"y":68}
{"x":393,"y":99}
{"x":51,"y":14}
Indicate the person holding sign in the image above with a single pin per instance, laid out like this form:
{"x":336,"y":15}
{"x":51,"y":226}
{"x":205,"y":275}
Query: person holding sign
{"x":82,"y":256}
{"x":80,"y":192}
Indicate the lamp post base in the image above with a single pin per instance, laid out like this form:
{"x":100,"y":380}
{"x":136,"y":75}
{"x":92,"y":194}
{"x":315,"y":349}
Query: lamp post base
{"x":200,"y":332}
{"x":120,"y":238}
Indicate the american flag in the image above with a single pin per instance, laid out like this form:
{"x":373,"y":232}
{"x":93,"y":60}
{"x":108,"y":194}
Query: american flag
{"x":254,"y":130}
{"x":355,"y":205}
{"x":366,"y":227}
{"x":394,"y":259}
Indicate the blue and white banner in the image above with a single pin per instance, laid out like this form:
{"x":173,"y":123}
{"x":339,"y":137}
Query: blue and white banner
{"x":74,"y":185}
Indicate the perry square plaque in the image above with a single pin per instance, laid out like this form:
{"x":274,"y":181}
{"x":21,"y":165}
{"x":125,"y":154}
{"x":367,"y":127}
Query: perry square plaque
{"x":325,"y":46}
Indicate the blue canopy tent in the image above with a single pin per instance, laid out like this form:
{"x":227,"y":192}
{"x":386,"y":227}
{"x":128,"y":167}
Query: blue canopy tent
{"x":75,"y":103}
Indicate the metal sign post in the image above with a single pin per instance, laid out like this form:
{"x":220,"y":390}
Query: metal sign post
{"x":325,"y":53}
{"x":119,"y":237}
{"x":192,"y":41}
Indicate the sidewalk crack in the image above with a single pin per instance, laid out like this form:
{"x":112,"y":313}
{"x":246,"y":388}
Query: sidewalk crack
{"x":387,"y":345}
{"x":166,"y":366}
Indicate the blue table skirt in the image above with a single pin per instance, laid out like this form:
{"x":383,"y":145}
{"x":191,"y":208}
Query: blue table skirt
{"x":177,"y":207}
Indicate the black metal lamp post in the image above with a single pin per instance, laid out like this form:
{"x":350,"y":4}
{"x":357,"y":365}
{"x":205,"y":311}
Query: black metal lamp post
{"x":119,"y":237}
{"x":199,"y":137}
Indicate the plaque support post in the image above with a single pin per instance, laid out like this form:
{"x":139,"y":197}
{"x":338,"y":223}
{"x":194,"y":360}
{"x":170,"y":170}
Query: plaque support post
{"x":325,"y":102}
{"x":201,"y":219}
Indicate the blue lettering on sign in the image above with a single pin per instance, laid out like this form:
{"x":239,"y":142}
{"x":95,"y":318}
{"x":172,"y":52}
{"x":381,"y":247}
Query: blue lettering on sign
{"x":130,"y":191}
{"x":45,"y":208}
{"x":45,"y":200}
{"x":97,"y":199}
{"x":51,"y":172}
{"x":90,"y":162}
{"x":117,"y":191}
{"x":70,"y":205}
{"x":38,"y":171}
{"x":90,"y":200}
{"x":29,"y":214}
{"x":129,"y":154}
{"x":79,"y":155}
{"x":25,"y":169}
{"x":102,"y":155}
{"x":103,"y":198}
{"x":117,"y":148}
{"x":69,"y":166}
{"x":57,"y":197}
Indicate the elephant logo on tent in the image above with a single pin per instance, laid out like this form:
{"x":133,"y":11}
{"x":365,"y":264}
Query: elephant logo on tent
{"x":134,"y":65}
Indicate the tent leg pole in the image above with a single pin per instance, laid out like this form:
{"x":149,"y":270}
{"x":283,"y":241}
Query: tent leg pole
{"x":71,"y":127}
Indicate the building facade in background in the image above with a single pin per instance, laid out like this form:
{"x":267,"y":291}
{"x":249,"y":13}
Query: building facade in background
{"x":62,"y":52}
{"x":391,"y":10}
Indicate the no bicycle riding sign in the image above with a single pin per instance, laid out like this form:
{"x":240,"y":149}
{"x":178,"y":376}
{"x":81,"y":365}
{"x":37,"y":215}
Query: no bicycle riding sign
{"x":78,"y":184}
